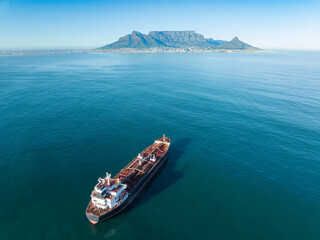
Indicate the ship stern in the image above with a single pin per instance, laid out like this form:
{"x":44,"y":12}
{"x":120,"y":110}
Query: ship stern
{"x":94,"y":219}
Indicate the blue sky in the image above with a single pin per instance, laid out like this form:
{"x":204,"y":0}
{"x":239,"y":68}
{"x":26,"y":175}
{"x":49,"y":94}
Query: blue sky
{"x":35,"y":24}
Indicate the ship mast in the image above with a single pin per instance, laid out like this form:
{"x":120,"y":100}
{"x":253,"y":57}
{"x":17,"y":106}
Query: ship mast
{"x":108,"y":175}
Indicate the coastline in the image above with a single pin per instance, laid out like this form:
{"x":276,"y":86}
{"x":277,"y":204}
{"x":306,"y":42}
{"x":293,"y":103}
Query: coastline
{"x":134,"y":50}
{"x":181,"y":50}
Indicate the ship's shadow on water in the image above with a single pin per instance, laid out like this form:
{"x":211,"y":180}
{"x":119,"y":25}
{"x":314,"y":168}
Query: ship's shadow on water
{"x":166,"y":176}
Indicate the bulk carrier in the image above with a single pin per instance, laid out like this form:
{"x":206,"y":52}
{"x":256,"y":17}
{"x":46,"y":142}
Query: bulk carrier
{"x":112,"y":195}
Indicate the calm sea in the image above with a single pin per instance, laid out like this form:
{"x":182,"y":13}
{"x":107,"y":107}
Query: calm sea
{"x":244,"y":161}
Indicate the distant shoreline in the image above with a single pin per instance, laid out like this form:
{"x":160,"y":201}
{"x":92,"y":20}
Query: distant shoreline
{"x":132,"y":50}
{"x":180,"y":50}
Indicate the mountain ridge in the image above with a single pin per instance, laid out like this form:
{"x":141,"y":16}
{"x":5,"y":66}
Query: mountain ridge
{"x":175,"y":40}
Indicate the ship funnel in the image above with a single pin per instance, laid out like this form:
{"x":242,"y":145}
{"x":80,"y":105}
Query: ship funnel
{"x":108,"y":175}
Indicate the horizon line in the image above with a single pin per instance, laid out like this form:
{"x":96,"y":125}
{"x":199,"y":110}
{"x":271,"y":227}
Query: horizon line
{"x":90,"y":49}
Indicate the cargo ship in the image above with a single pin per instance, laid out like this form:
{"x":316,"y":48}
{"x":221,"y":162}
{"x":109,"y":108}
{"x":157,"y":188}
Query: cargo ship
{"x":110,"y":196}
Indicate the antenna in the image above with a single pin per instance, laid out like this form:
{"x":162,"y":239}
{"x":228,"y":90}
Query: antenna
{"x":163,"y":137}
{"x":108,"y":175}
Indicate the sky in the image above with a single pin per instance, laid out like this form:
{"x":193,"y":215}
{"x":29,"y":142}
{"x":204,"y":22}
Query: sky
{"x":71,"y":24}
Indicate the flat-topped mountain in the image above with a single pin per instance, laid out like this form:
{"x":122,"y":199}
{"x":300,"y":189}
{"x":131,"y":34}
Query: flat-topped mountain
{"x":175,"y":40}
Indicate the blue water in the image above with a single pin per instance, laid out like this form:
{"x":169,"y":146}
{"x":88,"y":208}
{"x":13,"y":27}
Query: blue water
{"x":244,"y":161}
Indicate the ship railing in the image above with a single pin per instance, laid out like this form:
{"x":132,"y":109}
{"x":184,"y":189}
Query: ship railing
{"x":136,"y":169}
{"x":136,"y":158}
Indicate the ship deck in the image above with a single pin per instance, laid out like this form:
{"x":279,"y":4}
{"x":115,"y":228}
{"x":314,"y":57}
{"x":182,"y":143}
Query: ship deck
{"x":137,"y":169}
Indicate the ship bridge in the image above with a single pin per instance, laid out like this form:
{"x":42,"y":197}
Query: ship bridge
{"x":108,"y":192}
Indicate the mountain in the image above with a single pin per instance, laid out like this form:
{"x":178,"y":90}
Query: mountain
{"x":134,"y":40}
{"x":235,"y":43}
{"x":175,"y":40}
{"x":179,"y":38}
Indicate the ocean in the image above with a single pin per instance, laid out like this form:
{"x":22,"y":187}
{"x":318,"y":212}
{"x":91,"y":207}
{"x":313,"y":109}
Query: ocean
{"x":244,"y":161}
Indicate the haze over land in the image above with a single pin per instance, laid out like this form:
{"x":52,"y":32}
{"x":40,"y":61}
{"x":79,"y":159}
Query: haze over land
{"x":160,"y":41}
{"x":175,"y":41}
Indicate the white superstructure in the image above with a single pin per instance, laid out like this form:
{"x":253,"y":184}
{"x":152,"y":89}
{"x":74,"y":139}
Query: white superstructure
{"x":108,"y":193}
